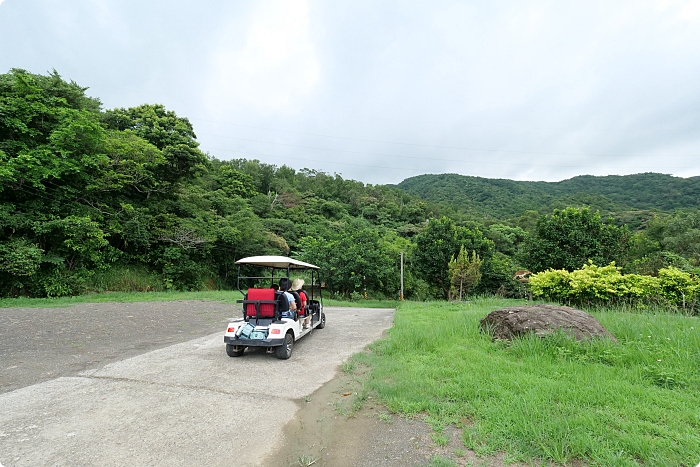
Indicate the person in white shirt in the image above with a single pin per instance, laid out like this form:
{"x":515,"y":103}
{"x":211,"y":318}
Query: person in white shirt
{"x":284,"y":287}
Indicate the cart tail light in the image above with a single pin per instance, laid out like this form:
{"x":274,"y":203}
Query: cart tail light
{"x":274,"y":331}
{"x":231,"y":330}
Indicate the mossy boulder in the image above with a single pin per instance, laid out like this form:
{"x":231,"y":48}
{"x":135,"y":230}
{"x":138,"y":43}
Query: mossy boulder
{"x":543,"y":320}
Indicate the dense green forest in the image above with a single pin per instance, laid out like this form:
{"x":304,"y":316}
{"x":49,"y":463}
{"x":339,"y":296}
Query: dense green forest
{"x":630,"y":197}
{"x":95,"y":199}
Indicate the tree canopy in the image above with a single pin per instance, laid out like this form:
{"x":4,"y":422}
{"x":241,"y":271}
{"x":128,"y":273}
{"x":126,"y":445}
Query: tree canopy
{"x":568,"y":239}
{"x":89,"y":196}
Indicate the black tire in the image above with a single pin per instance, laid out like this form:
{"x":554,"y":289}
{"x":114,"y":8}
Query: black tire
{"x":234,"y":350}
{"x":284,"y":351}
{"x":322,"y":324}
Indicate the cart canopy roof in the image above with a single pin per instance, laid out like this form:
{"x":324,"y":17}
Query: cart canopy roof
{"x":281,"y":262}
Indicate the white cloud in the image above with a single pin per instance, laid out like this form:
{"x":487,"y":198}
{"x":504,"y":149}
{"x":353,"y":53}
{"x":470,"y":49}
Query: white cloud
{"x":274,"y":69}
{"x":532,"y":88}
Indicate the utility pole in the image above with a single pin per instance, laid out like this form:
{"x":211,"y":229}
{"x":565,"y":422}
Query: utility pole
{"x":401,"y":295}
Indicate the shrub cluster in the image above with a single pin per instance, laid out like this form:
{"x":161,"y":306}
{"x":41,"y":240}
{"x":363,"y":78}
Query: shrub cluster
{"x":594,"y":284}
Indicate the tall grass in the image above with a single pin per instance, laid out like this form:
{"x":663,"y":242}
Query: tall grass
{"x":627,"y":404}
{"x":123,"y":278}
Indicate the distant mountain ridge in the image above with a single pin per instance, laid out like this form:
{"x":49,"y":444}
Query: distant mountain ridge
{"x":502,"y":198}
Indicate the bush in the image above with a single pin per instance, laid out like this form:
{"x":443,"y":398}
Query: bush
{"x":678,"y":287}
{"x":595,"y":284}
{"x":552,"y":283}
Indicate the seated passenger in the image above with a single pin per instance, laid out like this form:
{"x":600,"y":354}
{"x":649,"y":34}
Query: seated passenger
{"x":284,"y":287}
{"x":297,"y":287}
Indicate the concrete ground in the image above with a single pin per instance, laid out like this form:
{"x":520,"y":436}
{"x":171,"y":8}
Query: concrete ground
{"x":187,"y":404}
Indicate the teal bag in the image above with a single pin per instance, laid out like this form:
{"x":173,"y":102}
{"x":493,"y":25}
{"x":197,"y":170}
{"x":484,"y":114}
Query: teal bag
{"x":247,"y":330}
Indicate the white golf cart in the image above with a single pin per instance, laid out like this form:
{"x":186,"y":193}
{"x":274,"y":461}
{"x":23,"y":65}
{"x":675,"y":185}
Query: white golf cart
{"x":267,"y":320}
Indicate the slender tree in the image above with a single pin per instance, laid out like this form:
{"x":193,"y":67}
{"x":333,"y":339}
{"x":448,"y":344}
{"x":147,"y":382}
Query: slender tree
{"x":464,"y":271}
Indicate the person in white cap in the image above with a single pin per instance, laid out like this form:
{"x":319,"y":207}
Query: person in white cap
{"x":297,"y":287}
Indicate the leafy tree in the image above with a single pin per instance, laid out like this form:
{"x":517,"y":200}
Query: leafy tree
{"x":46,"y":132}
{"x":679,"y":234}
{"x":567,"y":239}
{"x":641,"y":245}
{"x":497,"y":276}
{"x":438,"y":243}
{"x":165,"y":130}
{"x":506,"y":239}
{"x":19,"y":258}
{"x":651,"y":264}
{"x":354,"y":258}
{"x":129,"y":164}
{"x":236,"y":183}
{"x":50,"y":151}
{"x":464,"y":272}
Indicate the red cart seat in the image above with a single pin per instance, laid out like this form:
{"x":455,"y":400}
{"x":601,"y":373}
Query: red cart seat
{"x":267,"y":309}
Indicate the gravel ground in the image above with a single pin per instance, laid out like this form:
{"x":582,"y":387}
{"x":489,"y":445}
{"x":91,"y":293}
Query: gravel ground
{"x":117,"y":384}
{"x":39,"y":344}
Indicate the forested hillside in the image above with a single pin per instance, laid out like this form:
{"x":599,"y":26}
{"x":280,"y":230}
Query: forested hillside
{"x":95,"y":199}
{"x":508,"y":198}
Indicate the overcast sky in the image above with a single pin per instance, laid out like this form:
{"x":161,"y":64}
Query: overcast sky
{"x":382,"y":91}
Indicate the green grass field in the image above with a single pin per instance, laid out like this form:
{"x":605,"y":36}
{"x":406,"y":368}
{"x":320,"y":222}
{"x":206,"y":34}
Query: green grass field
{"x":636,"y":403}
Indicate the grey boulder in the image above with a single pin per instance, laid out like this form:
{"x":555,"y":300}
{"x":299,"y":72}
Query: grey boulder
{"x":543,"y":320}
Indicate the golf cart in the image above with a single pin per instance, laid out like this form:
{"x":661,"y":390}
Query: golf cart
{"x":267,"y":319}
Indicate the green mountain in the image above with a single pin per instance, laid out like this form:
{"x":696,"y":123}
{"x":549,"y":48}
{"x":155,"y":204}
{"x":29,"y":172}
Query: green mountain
{"x":500,"y":198}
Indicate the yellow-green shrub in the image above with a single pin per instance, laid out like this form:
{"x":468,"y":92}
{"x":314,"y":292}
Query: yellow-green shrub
{"x":552,"y":283}
{"x":640,"y":286}
{"x":678,"y":287}
{"x":594,"y":283}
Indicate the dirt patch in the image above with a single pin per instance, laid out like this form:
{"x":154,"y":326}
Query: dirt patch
{"x":340,"y":426}
{"x":40,"y":344}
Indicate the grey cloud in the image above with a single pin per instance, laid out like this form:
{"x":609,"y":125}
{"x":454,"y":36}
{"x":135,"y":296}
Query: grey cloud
{"x":535,"y":90}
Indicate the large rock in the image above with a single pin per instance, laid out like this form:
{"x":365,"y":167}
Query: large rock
{"x":542,"y":320}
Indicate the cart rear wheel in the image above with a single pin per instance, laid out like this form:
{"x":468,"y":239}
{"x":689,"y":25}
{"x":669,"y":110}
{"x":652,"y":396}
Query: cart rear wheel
{"x":284,"y":351}
{"x":234,"y":350}
{"x":322,"y":324}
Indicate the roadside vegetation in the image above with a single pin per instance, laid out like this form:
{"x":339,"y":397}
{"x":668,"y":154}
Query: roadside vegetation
{"x":226,"y":296}
{"x":369,"y":303}
{"x":628,"y":404}
{"x":96,"y":200}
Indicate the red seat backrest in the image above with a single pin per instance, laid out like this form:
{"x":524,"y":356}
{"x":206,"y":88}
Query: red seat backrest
{"x":267,"y":310}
